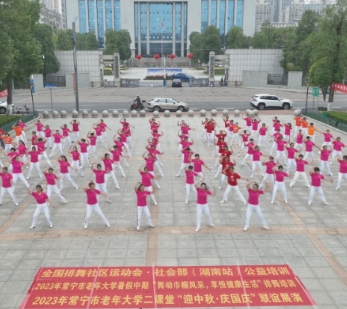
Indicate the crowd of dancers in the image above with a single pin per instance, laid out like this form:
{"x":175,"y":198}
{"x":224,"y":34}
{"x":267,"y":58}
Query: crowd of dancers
{"x":293,"y":145}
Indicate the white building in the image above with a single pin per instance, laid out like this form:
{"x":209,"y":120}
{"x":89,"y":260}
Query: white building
{"x":262,"y":13}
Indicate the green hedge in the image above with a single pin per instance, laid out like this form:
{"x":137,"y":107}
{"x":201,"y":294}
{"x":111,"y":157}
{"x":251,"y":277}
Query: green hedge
{"x":341,"y":116}
{"x":5,"y":119}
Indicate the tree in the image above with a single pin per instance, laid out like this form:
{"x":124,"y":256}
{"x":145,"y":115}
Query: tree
{"x":211,"y":42}
{"x":235,"y":37}
{"x":111,"y":39}
{"x":6,"y":55}
{"x":20,"y":17}
{"x":86,"y":41}
{"x":124,"y":41}
{"x":330,"y":43}
{"x":321,"y":75}
{"x":64,"y":40}
{"x":195,"y":46}
{"x":44,"y":34}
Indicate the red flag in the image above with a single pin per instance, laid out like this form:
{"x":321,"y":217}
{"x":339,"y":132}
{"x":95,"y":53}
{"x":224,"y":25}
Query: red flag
{"x":4,"y":93}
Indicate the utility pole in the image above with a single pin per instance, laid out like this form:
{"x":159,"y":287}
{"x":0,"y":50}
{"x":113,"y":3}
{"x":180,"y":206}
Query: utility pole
{"x":73,"y":39}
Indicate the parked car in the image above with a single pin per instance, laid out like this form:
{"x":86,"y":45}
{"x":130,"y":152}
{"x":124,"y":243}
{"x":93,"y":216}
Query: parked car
{"x":183,"y":77}
{"x":177,"y":83}
{"x":159,"y":104}
{"x":261,"y":101}
{"x":3,"y":107}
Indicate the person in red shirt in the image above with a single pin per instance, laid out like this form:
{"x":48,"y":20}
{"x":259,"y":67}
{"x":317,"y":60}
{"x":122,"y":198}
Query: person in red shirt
{"x":226,"y":153}
{"x":220,"y":144}
{"x":203,"y":135}
{"x":225,"y":163}
{"x":221,"y":135}
{"x":232,"y":184}
{"x":210,"y":132}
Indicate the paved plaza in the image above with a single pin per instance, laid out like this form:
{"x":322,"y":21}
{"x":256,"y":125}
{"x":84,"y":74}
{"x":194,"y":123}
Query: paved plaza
{"x":311,"y":239}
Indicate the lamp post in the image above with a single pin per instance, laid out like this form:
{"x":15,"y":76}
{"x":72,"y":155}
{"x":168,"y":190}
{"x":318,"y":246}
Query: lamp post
{"x":308,"y":86}
{"x":44,"y":71}
{"x":73,"y":40}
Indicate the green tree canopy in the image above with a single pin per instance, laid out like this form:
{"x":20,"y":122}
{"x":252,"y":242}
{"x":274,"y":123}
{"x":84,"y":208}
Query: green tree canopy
{"x":64,"y":40}
{"x":236,"y":38}
{"x":124,"y":41}
{"x":86,"y":41}
{"x":211,"y":42}
{"x":195,"y":46}
{"x":111,"y":42}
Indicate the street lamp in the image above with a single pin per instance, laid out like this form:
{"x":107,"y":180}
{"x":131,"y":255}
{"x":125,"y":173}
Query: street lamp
{"x":308,"y":86}
{"x":44,"y":70}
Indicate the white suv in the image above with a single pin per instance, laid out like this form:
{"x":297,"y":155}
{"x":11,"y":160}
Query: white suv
{"x":261,"y":101}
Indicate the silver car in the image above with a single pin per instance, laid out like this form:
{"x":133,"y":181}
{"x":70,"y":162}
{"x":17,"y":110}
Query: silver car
{"x":261,"y":101}
{"x":159,"y":104}
{"x":3,"y":107}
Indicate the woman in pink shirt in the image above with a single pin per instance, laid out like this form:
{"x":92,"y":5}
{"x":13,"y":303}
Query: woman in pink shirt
{"x":7,"y":181}
{"x":279,"y":183}
{"x":202,"y":205}
{"x":48,"y":135}
{"x":92,"y":203}
{"x":256,"y":161}
{"x":34,"y":161}
{"x":287,"y":129}
{"x":41,"y":148}
{"x":151,"y":149}
{"x":57,"y":142}
{"x":338,"y":145}
{"x":244,"y":135}
{"x":291,"y":157}
{"x":342,"y":171}
{"x":156,"y":136}
{"x":22,"y":125}
{"x":190,"y":174}
{"x":100,"y":183}
{"x":104,"y":126}
{"x":123,"y":139}
{"x":142,"y":204}
{"x":17,"y":171}
{"x":22,"y":151}
{"x":13,"y":153}
{"x":198,"y":163}
{"x":117,"y":155}
{"x":51,"y":185}
{"x":98,"y":131}
{"x":248,"y":120}
{"x":309,"y":149}
{"x":249,"y":153}
{"x":64,"y":172}
{"x":298,"y":141}
{"x":269,"y":173}
{"x":66,"y":135}
{"x":262,"y":135}
{"x":327,"y":137}
{"x":84,"y":151}
{"x":280,"y":150}
{"x":324,"y":159}
{"x":150,"y":162}
{"x":75,"y":130}
{"x":127,"y":131}
{"x":187,"y":160}
{"x":39,"y":127}
{"x":147,"y":181}
{"x":41,"y":201}
{"x":92,"y":143}
{"x":253,"y":204}
{"x":316,"y":177}
{"x":108,"y":162}
{"x":76,"y":159}
{"x":300,"y":171}
{"x":255,"y":124}
{"x":276,"y":136}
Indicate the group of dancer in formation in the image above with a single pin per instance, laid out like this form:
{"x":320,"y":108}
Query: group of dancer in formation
{"x":294,"y":144}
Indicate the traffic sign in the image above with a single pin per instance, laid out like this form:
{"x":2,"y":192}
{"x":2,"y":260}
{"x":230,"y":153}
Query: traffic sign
{"x":50,"y":86}
{"x":315,"y":91}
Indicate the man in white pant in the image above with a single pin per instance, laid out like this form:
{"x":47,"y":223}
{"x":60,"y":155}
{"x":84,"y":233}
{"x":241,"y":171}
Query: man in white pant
{"x":300,"y":171}
{"x":316,"y":185}
{"x":232,"y":184}
{"x":279,"y":183}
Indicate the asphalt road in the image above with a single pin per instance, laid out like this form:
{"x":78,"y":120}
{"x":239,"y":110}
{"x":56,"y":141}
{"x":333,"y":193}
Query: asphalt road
{"x":100,"y":106}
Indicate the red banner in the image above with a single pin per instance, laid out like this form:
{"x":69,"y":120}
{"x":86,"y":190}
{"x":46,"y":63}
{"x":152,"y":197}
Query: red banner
{"x":4,"y":93}
{"x":166,"y":287}
{"x":339,"y":87}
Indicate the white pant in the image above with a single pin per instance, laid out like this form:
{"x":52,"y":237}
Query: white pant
{"x":97,"y":209}
{"x":156,"y":164}
{"x":179,"y":151}
{"x":254,"y":134}
{"x":296,"y":146}
{"x":286,"y":137}
{"x":113,"y":176}
{"x":246,"y":157}
{"x":125,"y":162}
{"x":59,"y":146}
{"x":217,"y":158}
{"x":75,"y":135}
{"x":154,"y":180}
{"x":8,"y":147}
{"x":296,"y":177}
{"x":257,"y":210}
{"x":203,"y":135}
{"x":309,"y":153}
{"x":131,"y":145}
{"x":117,"y":164}
{"x":77,"y":165}
{"x":220,"y":167}
{"x":200,"y":174}
{"x":281,"y":154}
{"x":256,"y":164}
{"x":262,"y":140}
{"x":304,"y":131}
{"x":274,"y":145}
{"x":54,"y":188}
{"x":21,"y":177}
{"x":104,"y":135}
{"x":209,"y":137}
{"x":312,"y":192}
{"x":334,"y":154}
{"x":341,"y":175}
{"x":127,"y":148}
{"x":236,"y":189}
{"x":10,"y":192}
{"x":68,"y":177}
{"x":24,"y":137}
{"x":39,"y":134}
{"x":199,"y":209}
{"x":291,"y":162}
{"x":311,"y":137}
{"x":150,"y":189}
{"x":296,"y":130}
{"x":45,"y":209}
{"x":18,"y":138}
{"x":93,"y":147}
{"x":140,"y":210}
{"x":50,"y":140}
{"x":101,"y":187}
{"x":188,"y":188}
{"x":24,"y":159}
{"x":100,"y":139}
{"x":44,"y":154}
{"x":10,"y":168}
{"x":325,"y":164}
{"x":282,"y":187}
{"x":67,"y":138}
{"x":84,"y":156}
{"x":267,"y":176}
{"x":183,"y":165}
{"x":235,"y":136}
{"x":32,"y":165}
{"x":242,"y":145}
{"x":159,"y":161}
{"x":217,"y":150}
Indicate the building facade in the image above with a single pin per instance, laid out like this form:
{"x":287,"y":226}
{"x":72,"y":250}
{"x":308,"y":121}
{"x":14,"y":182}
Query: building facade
{"x":157,"y":26}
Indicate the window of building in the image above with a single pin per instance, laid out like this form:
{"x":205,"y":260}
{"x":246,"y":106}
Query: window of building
{"x":83,"y":17}
{"x":117,"y":18}
{"x":185,"y":20}
{"x":204,"y":15}
{"x":178,"y":21}
{"x":160,"y":21}
{"x":143,"y":48}
{"x":239,"y":13}
{"x":230,"y":14}
{"x":143,"y":21}
{"x":108,"y":5}
{"x":91,"y":15}
{"x":213,"y":13}
{"x":136,"y":22}
{"x":178,"y":49}
{"x":100,"y":19}
{"x":160,"y":49}
{"x":222,"y":17}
